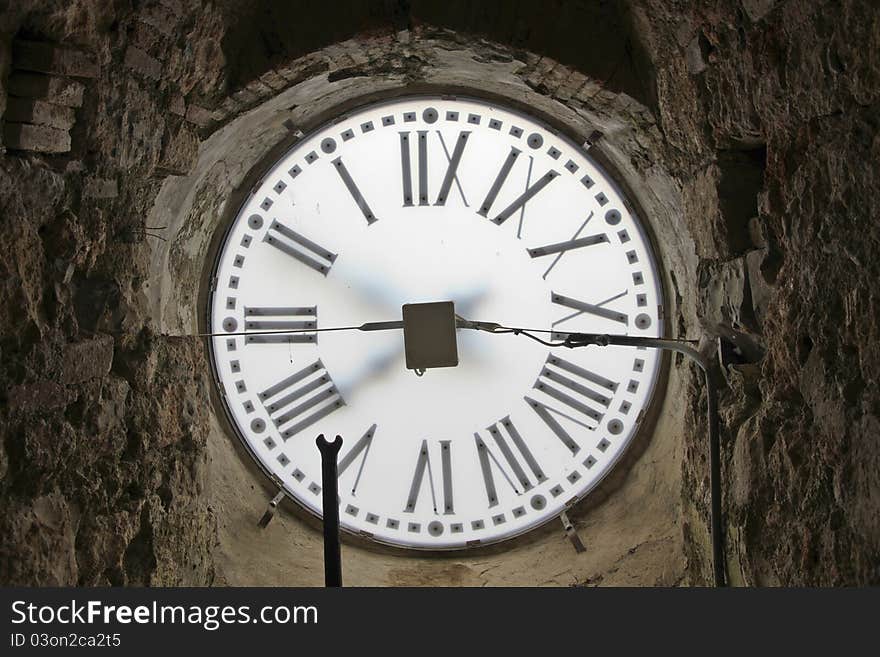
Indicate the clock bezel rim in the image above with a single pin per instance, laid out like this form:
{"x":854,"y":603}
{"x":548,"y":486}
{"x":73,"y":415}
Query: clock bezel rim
{"x":336,"y":113}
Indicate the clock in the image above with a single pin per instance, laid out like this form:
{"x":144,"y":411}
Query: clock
{"x":435,"y":199}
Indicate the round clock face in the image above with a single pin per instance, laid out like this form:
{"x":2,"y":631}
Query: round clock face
{"x":429,"y":199}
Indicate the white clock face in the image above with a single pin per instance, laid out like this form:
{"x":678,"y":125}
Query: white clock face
{"x":436,"y":199}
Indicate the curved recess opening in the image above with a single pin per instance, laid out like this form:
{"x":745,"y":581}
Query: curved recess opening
{"x":640,"y":497}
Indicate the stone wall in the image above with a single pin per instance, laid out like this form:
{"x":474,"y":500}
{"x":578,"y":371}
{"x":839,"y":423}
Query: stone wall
{"x":781,"y":98}
{"x":748,"y":128}
{"x":102,"y":441}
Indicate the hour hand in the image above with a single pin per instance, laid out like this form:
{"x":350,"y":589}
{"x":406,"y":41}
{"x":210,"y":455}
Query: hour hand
{"x":491,"y":327}
{"x":381,"y":326}
{"x":460,"y":322}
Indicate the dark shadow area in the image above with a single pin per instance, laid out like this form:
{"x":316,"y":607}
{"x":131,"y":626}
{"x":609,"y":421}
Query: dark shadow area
{"x":592,"y":37}
{"x":742,"y":178}
{"x":267,"y":32}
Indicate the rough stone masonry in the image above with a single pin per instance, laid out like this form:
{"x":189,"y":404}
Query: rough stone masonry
{"x":760,"y":116}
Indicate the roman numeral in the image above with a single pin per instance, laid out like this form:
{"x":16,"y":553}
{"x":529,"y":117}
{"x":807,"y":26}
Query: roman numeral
{"x":522,"y":199}
{"x":546,"y":413}
{"x":361,"y":446}
{"x":522,"y":210}
{"x":280,"y":399}
{"x":301,"y":248}
{"x":561,"y":248}
{"x":451,"y":176}
{"x":586,"y":400}
{"x":520,"y":481}
{"x":592,"y":309}
{"x":582,"y":307}
{"x":423,"y":466}
{"x":354,"y":191}
{"x":269,"y":319}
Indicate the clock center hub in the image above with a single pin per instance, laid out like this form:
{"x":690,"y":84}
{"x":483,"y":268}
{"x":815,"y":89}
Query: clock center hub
{"x":441,"y":255}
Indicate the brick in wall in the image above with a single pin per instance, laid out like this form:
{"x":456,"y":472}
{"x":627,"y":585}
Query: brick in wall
{"x":49,"y":58}
{"x":180,"y":149}
{"x":142,"y":63}
{"x":40,"y":112}
{"x":59,"y":91}
{"x":38,"y":138}
{"x":89,"y":359}
{"x":198,"y":115}
{"x":177,"y":105}
{"x":273,"y":80}
{"x":159,"y":18}
{"x":100,"y":188}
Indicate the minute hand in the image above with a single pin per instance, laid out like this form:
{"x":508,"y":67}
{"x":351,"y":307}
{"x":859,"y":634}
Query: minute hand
{"x":381,"y":326}
{"x":391,"y":325}
{"x":460,"y":322}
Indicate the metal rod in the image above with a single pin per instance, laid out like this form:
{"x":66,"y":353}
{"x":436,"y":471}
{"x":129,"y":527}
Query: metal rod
{"x":715,"y":482}
{"x":586,"y":339}
{"x":332,"y":557}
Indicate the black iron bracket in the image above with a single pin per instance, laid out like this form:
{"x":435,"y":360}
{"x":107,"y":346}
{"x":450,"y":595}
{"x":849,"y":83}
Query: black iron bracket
{"x":586,"y":339}
{"x":330,"y":489}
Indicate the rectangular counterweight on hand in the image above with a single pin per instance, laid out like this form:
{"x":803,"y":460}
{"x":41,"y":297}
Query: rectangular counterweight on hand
{"x":429,"y":335}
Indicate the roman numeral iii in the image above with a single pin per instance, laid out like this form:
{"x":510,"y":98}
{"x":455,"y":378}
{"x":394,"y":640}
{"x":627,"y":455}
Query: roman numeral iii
{"x":282,"y":400}
{"x":279,"y":319}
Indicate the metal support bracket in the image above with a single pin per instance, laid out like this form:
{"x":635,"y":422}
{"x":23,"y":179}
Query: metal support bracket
{"x":714,"y":444}
{"x":572,"y":534}
{"x":736,"y":348}
{"x":330,"y":509}
{"x":270,"y":510}
{"x":594,"y":137}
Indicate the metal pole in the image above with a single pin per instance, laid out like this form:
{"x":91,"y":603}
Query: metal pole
{"x":715,"y":481}
{"x":332,"y":558}
{"x":586,"y":339}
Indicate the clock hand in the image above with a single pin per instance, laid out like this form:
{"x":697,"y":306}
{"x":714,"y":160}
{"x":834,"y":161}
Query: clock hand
{"x":373,"y":368}
{"x":391,"y":297}
{"x":384,"y":296}
{"x":366,"y":326}
{"x":460,"y":322}
{"x":381,"y":326}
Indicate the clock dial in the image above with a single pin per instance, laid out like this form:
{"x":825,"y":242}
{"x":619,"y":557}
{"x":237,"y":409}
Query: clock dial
{"x":435,"y":199}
